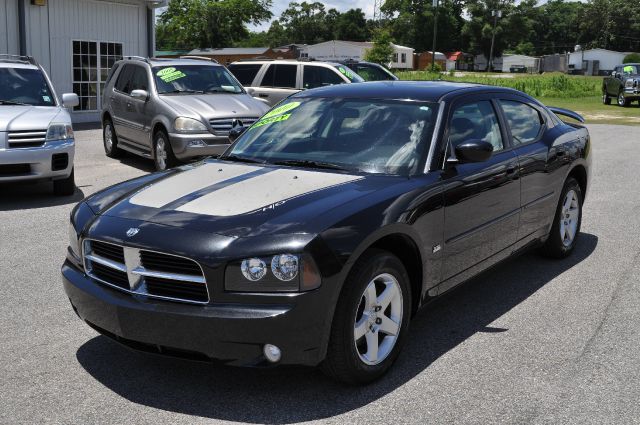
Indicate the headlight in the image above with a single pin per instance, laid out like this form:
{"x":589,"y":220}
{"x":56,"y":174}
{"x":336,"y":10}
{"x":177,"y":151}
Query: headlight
{"x":188,"y":124}
{"x":57,"y":131}
{"x":74,"y":246}
{"x":277,"y":273}
{"x":628,"y":83}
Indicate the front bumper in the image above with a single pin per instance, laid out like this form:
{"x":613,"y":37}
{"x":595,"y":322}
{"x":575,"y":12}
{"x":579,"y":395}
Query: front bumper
{"x":211,"y":144}
{"x":39,"y":160}
{"x":229,"y":332}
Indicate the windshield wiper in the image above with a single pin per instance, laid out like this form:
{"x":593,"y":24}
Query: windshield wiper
{"x":11,"y":102}
{"x":237,"y":158}
{"x":183,"y":91}
{"x":310,"y":164}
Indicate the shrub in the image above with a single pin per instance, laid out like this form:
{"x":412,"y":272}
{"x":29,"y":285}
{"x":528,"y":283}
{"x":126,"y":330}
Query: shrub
{"x":632,"y":58}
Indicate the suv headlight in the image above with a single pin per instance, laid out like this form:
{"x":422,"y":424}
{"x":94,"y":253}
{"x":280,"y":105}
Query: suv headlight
{"x":59,"y":131}
{"x":188,"y":124}
{"x":74,"y":245}
{"x":277,"y":273}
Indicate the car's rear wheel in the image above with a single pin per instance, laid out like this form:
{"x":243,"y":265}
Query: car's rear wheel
{"x":162,"y":152}
{"x":622,"y":101}
{"x":110,"y":140}
{"x":606,"y":100}
{"x":371,"y":319}
{"x":65,"y":187}
{"x":566,"y":224}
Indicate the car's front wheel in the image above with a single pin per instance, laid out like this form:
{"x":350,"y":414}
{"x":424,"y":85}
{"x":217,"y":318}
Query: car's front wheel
{"x":110,"y":140}
{"x":622,"y":101}
{"x":566,"y":224}
{"x":162,"y":152}
{"x":371,"y":319}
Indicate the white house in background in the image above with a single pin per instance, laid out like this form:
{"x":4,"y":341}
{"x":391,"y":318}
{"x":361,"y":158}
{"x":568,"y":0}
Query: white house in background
{"x":510,"y":61}
{"x":340,"y":50}
{"x":585,"y":59}
{"x":77,"y":41}
{"x":480,"y":63}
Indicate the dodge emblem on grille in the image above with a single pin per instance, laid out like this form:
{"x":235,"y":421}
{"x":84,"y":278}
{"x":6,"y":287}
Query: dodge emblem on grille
{"x":133,"y":231}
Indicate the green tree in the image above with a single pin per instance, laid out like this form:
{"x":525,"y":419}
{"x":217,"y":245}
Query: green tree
{"x":632,"y":58}
{"x":381,"y":50}
{"x":352,"y":26}
{"x":611,"y":24}
{"x":305,"y":22}
{"x":209,"y":23}
{"x":557,"y":27}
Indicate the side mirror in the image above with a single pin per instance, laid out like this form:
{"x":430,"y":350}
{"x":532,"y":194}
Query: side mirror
{"x":474,"y":150}
{"x":236,"y":132}
{"x":69,"y":100}
{"x":613,"y":73}
{"x":250,"y":91}
{"x":618,"y":75}
{"x":140,"y":94}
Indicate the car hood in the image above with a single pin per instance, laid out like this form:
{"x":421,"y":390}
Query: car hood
{"x":246,"y":200}
{"x":18,"y":117}
{"x":215,"y":105}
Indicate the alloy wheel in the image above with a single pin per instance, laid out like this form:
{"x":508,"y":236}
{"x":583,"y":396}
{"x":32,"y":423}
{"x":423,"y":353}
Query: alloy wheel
{"x":621,"y":99}
{"x":108,"y":138}
{"x":570,"y":214}
{"x":378,"y":319}
{"x":161,"y":153}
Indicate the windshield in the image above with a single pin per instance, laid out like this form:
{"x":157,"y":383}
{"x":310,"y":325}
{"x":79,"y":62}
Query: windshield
{"x":372,"y":72}
{"x":194,"y":79}
{"x":24,"y":86}
{"x":366,"y":135}
{"x":347,"y":72}
{"x":631,"y":69}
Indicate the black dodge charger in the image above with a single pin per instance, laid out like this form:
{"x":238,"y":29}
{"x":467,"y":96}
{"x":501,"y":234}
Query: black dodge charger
{"x":328,"y":224}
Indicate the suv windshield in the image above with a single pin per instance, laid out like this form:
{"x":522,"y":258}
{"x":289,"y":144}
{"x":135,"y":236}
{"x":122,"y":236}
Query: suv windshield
{"x":366,"y":135}
{"x":194,"y":79}
{"x":24,"y":86}
{"x":631,"y":69}
{"x":372,"y":72}
{"x":347,"y":72}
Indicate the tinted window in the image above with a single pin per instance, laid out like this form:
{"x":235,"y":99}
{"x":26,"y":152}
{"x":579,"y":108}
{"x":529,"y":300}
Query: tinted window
{"x":369,"y":135}
{"x":140,"y":80}
{"x":280,"y":76}
{"x":124,"y":78}
{"x":524,"y":121}
{"x":371,"y":72}
{"x":245,"y":73}
{"x":25,"y":85}
{"x":475,"y":120}
{"x":318,"y":76}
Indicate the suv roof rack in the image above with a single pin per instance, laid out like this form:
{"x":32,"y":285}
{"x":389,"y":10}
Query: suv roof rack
{"x":138,"y":58}
{"x":204,"y":58}
{"x":4,"y":57}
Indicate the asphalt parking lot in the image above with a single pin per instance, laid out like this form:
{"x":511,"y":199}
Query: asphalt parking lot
{"x":532,"y":341}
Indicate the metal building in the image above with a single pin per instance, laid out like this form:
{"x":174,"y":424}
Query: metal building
{"x":77,"y":41}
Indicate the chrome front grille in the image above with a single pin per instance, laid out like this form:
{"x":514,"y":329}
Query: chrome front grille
{"x":26,"y":139}
{"x":145,"y":272}
{"x":222,"y":126}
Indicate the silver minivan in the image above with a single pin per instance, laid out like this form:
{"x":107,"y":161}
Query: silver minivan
{"x":274,"y":80}
{"x":36,"y":136}
{"x":170,"y":110}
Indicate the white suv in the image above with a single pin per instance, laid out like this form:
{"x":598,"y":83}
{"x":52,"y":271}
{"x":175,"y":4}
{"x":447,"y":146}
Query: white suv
{"x":274,"y":80}
{"x":36,"y":137}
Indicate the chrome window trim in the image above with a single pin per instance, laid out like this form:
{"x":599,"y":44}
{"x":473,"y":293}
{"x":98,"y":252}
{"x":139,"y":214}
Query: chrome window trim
{"x":434,"y":137}
{"x":136,"y":286}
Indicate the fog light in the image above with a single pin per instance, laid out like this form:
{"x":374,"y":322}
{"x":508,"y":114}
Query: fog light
{"x":196,"y":143}
{"x":272,"y":353}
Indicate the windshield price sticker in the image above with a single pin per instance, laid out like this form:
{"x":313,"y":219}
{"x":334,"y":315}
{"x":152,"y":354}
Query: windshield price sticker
{"x":276,"y":115}
{"x":271,"y":120}
{"x":346,"y":72}
{"x":170,"y":74}
{"x":628,"y":69}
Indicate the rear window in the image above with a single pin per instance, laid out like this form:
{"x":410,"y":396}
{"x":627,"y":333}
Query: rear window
{"x":282,"y":76}
{"x":245,"y":73}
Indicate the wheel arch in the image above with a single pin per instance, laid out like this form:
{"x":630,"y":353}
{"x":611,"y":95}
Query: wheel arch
{"x":579,"y":172}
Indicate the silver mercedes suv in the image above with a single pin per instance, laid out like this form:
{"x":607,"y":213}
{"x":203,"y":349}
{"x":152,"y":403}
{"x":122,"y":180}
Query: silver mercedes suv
{"x":36,"y":137}
{"x":173,"y":109}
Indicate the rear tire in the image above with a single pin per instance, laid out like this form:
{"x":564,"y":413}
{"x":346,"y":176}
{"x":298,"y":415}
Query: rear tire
{"x":65,"y":187}
{"x":606,"y":100}
{"x":371,"y":320}
{"x":163,"y":156}
{"x":110,"y":140}
{"x":566,"y":224}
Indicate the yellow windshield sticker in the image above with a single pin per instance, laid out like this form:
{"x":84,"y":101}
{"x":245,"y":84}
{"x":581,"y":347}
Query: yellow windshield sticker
{"x":346,"y":72}
{"x":271,"y":120}
{"x":628,"y":70}
{"x":170,"y":74}
{"x":281,"y":109}
{"x":276,"y":115}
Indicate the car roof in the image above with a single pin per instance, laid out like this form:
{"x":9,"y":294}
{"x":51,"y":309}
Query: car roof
{"x":430,"y":91}
{"x":17,"y":65}
{"x":170,"y":61}
{"x":285,"y":61}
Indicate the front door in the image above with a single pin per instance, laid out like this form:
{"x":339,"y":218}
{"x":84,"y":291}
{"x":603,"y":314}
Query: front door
{"x":482,"y":199}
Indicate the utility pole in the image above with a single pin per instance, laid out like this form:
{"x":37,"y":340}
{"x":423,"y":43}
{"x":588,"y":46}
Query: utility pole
{"x":496,"y":14}
{"x":435,"y":32}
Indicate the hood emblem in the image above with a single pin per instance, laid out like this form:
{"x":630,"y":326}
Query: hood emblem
{"x":236,"y":123}
{"x":132,"y":231}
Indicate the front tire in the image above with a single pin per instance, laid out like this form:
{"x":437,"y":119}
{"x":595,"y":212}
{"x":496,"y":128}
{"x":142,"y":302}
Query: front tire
{"x":110,"y":140}
{"x":566,"y":224}
{"x":163,"y":156}
{"x":65,"y":187}
{"x":622,"y":101}
{"x":371,"y":320}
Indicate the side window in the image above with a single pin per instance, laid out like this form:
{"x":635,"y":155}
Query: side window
{"x":140,"y":80}
{"x":245,"y":73}
{"x":124,"y":79}
{"x":111,"y":73}
{"x":283,"y":76}
{"x":318,"y":76}
{"x":524,"y":121}
{"x":475,"y":120}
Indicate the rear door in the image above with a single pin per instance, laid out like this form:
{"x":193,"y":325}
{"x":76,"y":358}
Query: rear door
{"x":482,"y":199}
{"x":278,"y":82}
{"x":245,"y":72}
{"x":118,"y":101}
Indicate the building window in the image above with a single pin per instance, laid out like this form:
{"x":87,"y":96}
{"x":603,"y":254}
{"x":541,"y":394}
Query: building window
{"x":91,"y":63}
{"x":403,"y":58}
{"x":395,"y":58}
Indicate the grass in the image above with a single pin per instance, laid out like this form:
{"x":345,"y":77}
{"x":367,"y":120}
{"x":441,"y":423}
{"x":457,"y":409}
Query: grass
{"x":575,"y":92}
